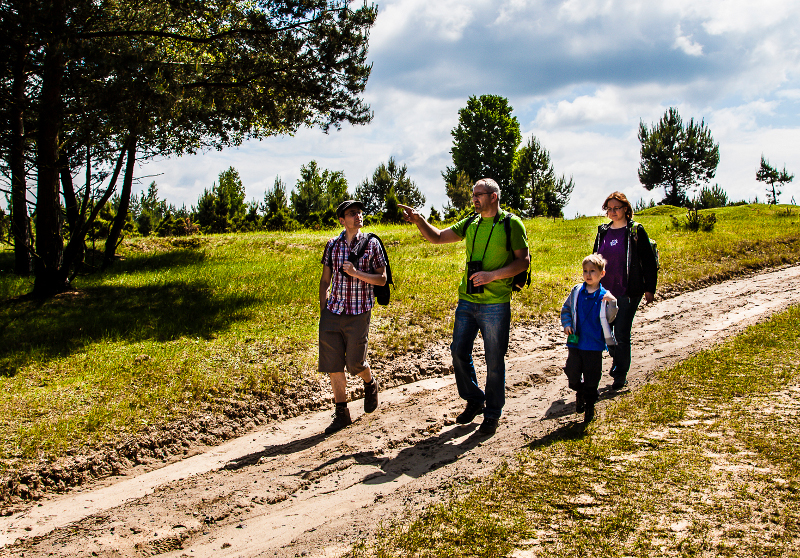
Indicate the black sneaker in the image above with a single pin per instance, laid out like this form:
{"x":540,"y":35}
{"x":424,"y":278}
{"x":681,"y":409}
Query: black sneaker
{"x":589,"y":415}
{"x":617,"y":385}
{"x":488,"y":426}
{"x":340,"y":420}
{"x":371,"y":395}
{"x":580,"y":402}
{"x":473,"y":409}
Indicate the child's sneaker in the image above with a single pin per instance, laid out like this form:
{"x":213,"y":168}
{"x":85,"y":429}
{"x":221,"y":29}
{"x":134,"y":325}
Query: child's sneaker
{"x":588,"y":415}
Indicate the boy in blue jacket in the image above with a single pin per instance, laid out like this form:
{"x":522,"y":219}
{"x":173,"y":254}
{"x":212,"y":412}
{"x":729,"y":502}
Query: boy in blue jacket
{"x":585,"y":316}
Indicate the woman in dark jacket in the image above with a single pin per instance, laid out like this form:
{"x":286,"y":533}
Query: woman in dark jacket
{"x":631,"y":272}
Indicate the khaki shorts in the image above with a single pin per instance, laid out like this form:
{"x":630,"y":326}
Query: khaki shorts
{"x":343,"y":342}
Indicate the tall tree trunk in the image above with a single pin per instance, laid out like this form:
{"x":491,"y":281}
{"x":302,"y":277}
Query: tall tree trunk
{"x":19,"y":187}
{"x":124,"y":203}
{"x":76,"y":246}
{"x":50,"y":276}
{"x":74,"y":221}
{"x":68,"y":191}
{"x":673,"y":196}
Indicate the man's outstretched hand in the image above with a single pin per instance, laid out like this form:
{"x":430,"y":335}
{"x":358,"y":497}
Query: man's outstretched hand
{"x":410,"y":214}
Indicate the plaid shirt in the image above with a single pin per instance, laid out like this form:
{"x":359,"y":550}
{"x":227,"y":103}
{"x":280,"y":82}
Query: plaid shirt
{"x":347,"y":294}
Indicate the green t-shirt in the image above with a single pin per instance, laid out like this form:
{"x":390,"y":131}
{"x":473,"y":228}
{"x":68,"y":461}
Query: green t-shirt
{"x":496,"y":255}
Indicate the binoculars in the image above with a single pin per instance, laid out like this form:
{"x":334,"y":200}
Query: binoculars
{"x":474,"y":267}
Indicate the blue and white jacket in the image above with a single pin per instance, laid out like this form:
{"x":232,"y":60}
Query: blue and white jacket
{"x":608,"y":312}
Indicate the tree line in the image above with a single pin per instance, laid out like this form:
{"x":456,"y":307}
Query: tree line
{"x":89,"y":90}
{"x":310,"y":204}
{"x":96,"y":87}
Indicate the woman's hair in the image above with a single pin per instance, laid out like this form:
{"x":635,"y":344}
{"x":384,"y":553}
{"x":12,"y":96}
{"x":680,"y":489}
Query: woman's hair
{"x":620,"y":197}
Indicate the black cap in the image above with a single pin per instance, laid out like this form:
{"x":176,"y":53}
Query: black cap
{"x":345,"y":205}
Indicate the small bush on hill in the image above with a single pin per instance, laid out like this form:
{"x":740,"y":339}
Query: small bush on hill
{"x":695,"y":221}
{"x":710,"y":198}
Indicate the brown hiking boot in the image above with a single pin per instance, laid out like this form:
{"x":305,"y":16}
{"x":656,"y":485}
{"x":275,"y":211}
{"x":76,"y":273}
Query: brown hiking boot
{"x":371,"y":395}
{"x":340,"y":420}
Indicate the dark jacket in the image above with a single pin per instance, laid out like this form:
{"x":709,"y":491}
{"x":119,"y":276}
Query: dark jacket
{"x":641,"y":268}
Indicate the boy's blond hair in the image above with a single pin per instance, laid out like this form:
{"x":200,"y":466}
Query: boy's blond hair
{"x":596,"y":260}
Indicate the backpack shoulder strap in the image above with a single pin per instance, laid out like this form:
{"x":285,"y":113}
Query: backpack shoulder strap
{"x":635,"y":230}
{"x":385,"y":255}
{"x":362,"y":246}
{"x":470,"y":219}
{"x":507,"y":227}
{"x":601,"y":232}
{"x":325,"y":251}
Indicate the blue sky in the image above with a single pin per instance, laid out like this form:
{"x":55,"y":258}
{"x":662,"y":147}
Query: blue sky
{"x":580,"y":75}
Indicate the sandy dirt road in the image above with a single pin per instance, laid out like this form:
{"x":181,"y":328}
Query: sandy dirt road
{"x":288,"y":490}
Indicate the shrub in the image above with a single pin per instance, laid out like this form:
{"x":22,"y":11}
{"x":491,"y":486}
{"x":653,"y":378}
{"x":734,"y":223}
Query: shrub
{"x":712,"y":197}
{"x":175,"y":226}
{"x":5,"y":226}
{"x":280,"y":220}
{"x":695,"y":221}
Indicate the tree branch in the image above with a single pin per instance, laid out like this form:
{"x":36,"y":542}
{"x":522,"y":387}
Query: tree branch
{"x":209,"y":39}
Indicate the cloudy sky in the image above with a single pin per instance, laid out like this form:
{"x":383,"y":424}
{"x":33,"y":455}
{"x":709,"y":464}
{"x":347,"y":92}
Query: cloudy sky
{"x":580,"y":75}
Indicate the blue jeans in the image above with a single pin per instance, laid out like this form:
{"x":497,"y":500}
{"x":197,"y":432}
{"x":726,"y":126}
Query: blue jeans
{"x":494,"y":323}
{"x":627,"y":307}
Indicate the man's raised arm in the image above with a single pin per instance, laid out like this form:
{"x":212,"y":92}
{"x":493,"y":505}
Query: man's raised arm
{"x":431,"y":233}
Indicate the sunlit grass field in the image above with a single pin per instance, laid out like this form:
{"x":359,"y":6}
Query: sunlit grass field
{"x":703,"y":461}
{"x":180,"y":324}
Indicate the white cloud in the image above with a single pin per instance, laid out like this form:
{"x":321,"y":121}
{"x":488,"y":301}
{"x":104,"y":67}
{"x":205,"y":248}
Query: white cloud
{"x":603,"y":107}
{"x":407,"y":20}
{"x":510,"y":10}
{"x":583,"y":10}
{"x":740,"y":119}
{"x":686,"y":44}
{"x":599,"y":164}
{"x":744,"y":16}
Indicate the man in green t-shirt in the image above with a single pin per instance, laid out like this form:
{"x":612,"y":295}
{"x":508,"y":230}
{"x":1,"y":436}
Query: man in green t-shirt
{"x":484,"y":297}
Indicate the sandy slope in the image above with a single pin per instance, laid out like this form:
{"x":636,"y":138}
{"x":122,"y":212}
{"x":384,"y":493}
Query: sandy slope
{"x":287,"y":490}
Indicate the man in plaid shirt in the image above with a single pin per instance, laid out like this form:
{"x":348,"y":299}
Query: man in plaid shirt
{"x":345,"y":303}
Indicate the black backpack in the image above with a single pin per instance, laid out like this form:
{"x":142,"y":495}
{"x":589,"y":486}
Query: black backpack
{"x":521,"y":279}
{"x":382,"y":292}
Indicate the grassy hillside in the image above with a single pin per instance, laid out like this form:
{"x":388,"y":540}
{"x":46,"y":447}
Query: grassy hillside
{"x":187,"y":322}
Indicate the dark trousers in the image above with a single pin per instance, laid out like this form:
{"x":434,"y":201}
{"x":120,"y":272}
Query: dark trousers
{"x":622,"y":333}
{"x":583,"y":370}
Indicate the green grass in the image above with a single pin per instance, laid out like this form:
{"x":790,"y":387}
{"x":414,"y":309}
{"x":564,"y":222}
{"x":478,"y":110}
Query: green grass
{"x":704,"y":461}
{"x":182,"y":324}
